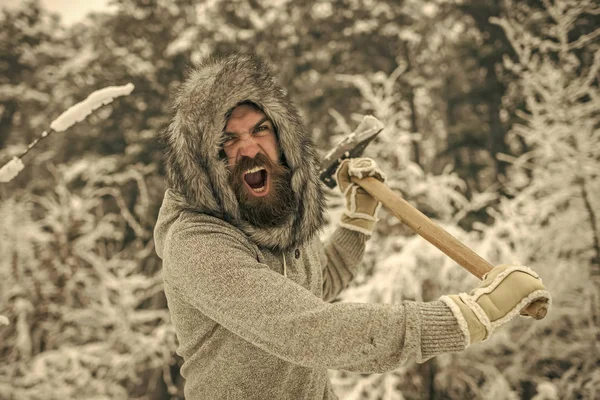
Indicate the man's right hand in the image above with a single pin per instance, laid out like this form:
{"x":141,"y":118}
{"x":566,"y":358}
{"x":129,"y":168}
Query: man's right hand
{"x":361,"y":208}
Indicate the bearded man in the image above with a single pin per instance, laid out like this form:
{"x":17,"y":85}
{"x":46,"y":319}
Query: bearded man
{"x":248,"y":282}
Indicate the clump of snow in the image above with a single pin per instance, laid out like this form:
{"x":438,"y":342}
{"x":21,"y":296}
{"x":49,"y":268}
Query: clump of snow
{"x":11,"y":169}
{"x":4,"y":320}
{"x":81,"y":110}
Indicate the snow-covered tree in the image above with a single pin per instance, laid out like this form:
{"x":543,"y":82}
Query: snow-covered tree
{"x":79,"y":293}
{"x":550,"y":219}
{"x":554,"y":183}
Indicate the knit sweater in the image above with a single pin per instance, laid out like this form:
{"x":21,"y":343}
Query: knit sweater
{"x":253,"y":323}
{"x":251,"y":304}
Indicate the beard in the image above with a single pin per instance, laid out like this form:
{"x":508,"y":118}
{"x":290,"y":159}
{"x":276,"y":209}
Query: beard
{"x":277,"y":206}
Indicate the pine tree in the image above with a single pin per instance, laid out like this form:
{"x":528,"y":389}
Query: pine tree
{"x":550,"y":221}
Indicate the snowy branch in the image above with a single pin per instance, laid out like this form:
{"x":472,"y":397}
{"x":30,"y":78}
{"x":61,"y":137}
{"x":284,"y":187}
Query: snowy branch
{"x":70,"y":117}
{"x":81,"y":110}
{"x":11,"y":169}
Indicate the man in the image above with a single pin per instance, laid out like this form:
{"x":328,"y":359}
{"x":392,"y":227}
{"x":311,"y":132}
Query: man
{"x":247,"y":279}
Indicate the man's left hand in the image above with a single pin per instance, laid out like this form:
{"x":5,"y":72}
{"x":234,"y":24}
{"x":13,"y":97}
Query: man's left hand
{"x":361,"y":208}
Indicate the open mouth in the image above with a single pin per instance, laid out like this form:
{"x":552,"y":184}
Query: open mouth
{"x":257,"y":180}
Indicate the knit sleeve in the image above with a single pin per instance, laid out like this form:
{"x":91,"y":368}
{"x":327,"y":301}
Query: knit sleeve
{"x":216,"y":272}
{"x":340,"y":258}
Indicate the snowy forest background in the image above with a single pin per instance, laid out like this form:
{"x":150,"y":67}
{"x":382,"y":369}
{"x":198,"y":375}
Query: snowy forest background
{"x":492,"y":110}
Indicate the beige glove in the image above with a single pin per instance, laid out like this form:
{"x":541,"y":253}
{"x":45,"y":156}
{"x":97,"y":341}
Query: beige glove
{"x":504,"y":292}
{"x":361,"y":208}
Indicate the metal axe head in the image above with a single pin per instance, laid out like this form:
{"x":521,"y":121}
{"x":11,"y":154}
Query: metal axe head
{"x":351,"y":147}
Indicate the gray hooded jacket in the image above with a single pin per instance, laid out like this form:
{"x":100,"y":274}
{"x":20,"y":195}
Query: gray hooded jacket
{"x":251,"y":305}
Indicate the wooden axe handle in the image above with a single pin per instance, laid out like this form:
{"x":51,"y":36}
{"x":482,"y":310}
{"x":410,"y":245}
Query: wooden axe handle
{"x":437,"y":236}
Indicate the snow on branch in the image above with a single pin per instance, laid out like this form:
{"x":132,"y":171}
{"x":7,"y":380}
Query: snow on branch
{"x":81,"y":110}
{"x":70,"y":117}
{"x":11,"y":169}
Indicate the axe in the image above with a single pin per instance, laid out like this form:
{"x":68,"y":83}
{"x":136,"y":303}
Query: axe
{"x":352,"y":147}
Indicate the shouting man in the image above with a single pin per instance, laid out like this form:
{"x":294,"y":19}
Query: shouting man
{"x":247,"y":279}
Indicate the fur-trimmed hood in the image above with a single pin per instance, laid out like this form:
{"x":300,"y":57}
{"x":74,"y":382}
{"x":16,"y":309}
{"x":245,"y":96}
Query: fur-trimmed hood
{"x":193,"y":164}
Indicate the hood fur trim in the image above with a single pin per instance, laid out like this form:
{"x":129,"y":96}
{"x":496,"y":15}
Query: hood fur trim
{"x":193,"y":142}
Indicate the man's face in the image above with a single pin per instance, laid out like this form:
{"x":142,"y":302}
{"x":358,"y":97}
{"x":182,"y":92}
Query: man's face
{"x":261,"y":183}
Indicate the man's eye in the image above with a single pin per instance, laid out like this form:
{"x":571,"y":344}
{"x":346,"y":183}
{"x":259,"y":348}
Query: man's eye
{"x":261,"y":128}
{"x":228,"y":141}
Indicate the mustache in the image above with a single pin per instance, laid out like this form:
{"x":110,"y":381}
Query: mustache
{"x":245,"y":163}
{"x":260,"y":160}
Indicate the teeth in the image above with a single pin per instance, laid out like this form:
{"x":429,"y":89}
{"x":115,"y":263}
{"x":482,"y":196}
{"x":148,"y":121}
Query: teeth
{"x":255,"y":169}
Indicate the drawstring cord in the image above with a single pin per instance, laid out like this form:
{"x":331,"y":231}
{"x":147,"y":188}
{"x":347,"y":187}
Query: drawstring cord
{"x":284,"y":266}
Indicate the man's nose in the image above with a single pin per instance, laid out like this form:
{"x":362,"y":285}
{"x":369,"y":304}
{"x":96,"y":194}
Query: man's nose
{"x":248,"y":147}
